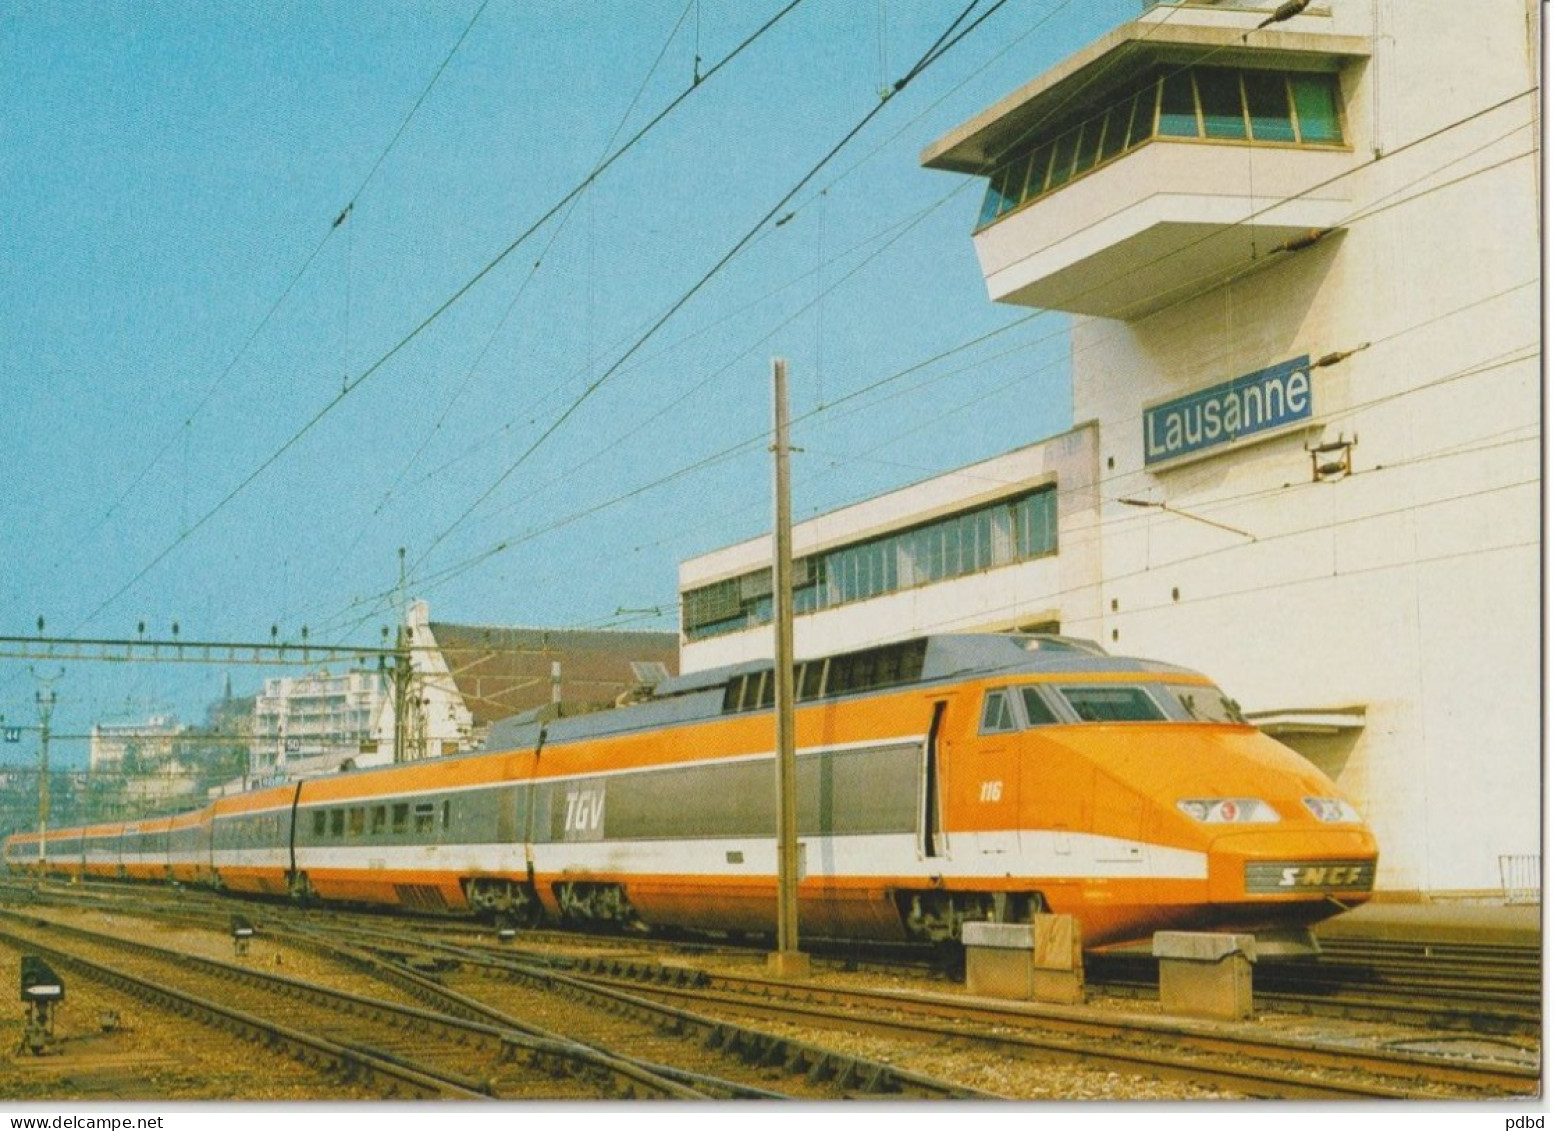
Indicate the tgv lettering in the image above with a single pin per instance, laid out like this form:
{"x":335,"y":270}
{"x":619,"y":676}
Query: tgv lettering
{"x":585,"y":809}
{"x":1249,"y":404}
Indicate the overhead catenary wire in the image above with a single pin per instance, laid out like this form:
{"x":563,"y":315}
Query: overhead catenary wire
{"x":522,"y":289}
{"x":669,"y":406}
{"x":755,"y":441}
{"x":892,"y":378}
{"x":460,"y":568}
{"x":941,"y":46}
{"x":890,"y":235}
{"x":1469,"y":117}
{"x":376,"y":366}
{"x":433,"y":581}
{"x":291,"y":285}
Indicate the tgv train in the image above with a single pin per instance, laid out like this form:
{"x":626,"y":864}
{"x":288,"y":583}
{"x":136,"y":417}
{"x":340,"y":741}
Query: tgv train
{"x":942,"y":779}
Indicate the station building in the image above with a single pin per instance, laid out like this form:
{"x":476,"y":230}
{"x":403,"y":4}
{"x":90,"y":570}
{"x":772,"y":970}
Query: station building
{"x":1302,"y":257}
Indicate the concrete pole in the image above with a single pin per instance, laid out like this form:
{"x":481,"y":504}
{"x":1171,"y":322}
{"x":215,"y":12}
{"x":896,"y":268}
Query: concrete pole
{"x":46,"y":700}
{"x":787,"y":961}
{"x":402,"y":671}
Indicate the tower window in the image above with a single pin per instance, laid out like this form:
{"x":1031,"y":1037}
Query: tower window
{"x":1182,"y":103}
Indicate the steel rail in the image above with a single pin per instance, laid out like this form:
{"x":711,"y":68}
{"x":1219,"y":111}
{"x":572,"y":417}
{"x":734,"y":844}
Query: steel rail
{"x":447,"y":1000}
{"x":844,"y":1070}
{"x":857,"y":1007}
{"x":624,"y":1078}
{"x":311,"y":1049}
{"x":1352,"y":991}
{"x":1409,"y":1070}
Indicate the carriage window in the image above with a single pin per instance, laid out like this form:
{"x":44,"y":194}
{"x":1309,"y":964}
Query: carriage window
{"x":1037,"y":713}
{"x":401,"y":817}
{"x":997,"y":716}
{"x":379,"y":818}
{"x":424,"y":817}
{"x":1113,"y":704}
{"x":320,"y":821}
{"x":337,"y":822}
{"x":357,"y":821}
{"x":811,"y":679}
{"x":1208,"y":704}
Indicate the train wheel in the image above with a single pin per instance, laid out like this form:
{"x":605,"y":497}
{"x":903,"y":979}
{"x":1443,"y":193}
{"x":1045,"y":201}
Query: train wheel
{"x":298,"y":888}
{"x":949,"y":960}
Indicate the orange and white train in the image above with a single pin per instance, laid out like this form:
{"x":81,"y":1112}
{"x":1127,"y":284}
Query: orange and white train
{"x":942,"y":779}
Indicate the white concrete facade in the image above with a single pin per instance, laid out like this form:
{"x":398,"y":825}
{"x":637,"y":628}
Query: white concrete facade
{"x":161,"y":772}
{"x":307,"y":725}
{"x":1410,"y":586}
{"x":1381,"y":615}
{"x":153,"y":741}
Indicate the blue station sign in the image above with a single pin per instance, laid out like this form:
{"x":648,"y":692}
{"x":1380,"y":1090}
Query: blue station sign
{"x":1233,"y":410}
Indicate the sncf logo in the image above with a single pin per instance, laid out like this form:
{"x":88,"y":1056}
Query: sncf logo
{"x":1283,"y":877}
{"x":1321,"y":876}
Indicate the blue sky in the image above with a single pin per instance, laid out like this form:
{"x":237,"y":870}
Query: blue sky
{"x":177,"y":306}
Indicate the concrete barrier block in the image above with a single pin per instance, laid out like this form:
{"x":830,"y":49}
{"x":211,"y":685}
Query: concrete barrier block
{"x":1002,"y":936}
{"x":1206,"y":975}
{"x":1003,"y":972}
{"x":1203,"y":946}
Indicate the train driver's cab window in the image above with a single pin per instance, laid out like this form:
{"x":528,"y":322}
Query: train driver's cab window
{"x":1037,"y":712}
{"x":997,"y":713}
{"x":1113,"y":704}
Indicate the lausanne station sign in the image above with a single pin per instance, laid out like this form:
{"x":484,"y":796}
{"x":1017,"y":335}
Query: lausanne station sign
{"x":1233,"y":410}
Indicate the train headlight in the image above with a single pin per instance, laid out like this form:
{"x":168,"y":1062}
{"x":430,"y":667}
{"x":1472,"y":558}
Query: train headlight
{"x":1331,"y":810}
{"x":1229,"y":810}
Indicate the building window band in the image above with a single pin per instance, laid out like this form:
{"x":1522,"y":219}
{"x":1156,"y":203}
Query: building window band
{"x":1004,"y":533}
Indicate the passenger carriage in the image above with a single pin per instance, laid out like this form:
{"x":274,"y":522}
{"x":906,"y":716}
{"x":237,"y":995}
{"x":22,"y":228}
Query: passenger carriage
{"x":939,"y":780}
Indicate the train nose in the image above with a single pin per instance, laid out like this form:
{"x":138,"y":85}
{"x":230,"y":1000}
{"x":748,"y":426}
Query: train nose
{"x":1292,"y":864}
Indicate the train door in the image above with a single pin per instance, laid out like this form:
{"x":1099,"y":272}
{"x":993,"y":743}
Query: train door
{"x":985,"y":786}
{"x":931,"y":843}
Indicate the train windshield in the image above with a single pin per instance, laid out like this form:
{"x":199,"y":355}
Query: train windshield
{"x":1113,"y":704}
{"x":1110,"y":703}
{"x":1207,"y":704}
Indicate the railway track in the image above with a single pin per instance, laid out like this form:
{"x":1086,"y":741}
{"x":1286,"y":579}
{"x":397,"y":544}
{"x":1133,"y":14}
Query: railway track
{"x":674,"y":1053}
{"x":460,"y":969}
{"x":406,"y":1049}
{"x":1235,"y":1060}
{"x":1239,"y":1059}
{"x":502,"y":988}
